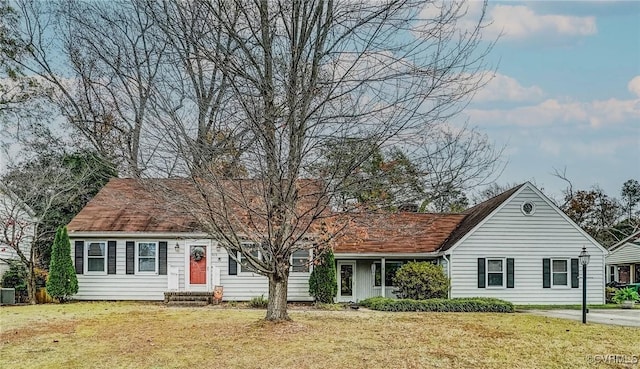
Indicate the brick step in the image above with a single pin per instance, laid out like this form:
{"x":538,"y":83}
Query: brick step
{"x":188,"y":297}
{"x":187,"y":303}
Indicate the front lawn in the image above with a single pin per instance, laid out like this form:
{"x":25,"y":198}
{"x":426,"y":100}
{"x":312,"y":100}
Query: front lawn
{"x":138,"y":335}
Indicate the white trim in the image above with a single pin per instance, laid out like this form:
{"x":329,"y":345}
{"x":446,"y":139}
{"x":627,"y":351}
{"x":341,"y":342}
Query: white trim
{"x":85,"y":257}
{"x":144,"y":235}
{"x":504,"y":272}
{"x":136,"y":251}
{"x":625,"y":241}
{"x":506,"y":201}
{"x":339,"y":296}
{"x":568,"y":272}
{"x":187,"y":257}
{"x":373,"y":255}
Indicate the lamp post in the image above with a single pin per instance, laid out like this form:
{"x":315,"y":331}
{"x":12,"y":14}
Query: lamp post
{"x":584,"y":260}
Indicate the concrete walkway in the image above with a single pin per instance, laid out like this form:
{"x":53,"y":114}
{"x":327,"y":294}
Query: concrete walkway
{"x":628,"y":318}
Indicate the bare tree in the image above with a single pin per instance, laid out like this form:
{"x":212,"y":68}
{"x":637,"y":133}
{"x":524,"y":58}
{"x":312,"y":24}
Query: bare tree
{"x":302,"y":75}
{"x":221,"y":89}
{"x":455,"y":161}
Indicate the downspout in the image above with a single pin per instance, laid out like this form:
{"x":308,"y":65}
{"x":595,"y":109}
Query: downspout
{"x":444,"y":256}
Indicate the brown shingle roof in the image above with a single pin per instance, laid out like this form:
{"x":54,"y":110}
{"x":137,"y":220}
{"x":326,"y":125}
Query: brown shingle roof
{"x":124,"y":205}
{"x":396,"y":233}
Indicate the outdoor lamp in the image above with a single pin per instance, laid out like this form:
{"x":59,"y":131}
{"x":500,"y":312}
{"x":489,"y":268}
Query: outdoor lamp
{"x":584,"y":260}
{"x":177,"y":247}
{"x":584,"y":256}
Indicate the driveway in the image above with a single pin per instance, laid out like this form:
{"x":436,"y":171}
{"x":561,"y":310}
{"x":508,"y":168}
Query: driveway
{"x":628,"y":318}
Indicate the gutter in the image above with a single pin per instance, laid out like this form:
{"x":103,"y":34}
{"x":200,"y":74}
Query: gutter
{"x":444,"y":256}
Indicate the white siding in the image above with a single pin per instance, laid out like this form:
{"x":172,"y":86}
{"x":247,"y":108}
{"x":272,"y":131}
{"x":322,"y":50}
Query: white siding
{"x":527,"y":239}
{"x":122,"y":286}
{"x":625,"y":254}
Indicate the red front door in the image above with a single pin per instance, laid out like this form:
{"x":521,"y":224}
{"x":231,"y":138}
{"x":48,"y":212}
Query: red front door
{"x":198,"y":265}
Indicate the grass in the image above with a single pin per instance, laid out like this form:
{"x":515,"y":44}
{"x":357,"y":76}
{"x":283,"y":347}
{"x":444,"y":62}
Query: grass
{"x":138,"y":335}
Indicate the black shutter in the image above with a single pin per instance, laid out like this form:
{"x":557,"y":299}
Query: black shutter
{"x":575,"y":269}
{"x":162,"y":258}
{"x":111,"y":257}
{"x":510,"y":272}
{"x":131,"y":257}
{"x":481,"y":273}
{"x":79,"y":257}
{"x":546,"y":273}
{"x":233,"y":266}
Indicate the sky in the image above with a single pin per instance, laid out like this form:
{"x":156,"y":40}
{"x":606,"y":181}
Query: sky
{"x":565,"y":93}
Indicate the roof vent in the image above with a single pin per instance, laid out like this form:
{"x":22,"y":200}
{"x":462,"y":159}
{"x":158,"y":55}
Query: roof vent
{"x":528,"y":208}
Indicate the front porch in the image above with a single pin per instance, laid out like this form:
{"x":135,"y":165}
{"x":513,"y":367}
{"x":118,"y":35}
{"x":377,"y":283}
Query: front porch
{"x":624,"y":273}
{"x":362,"y":277}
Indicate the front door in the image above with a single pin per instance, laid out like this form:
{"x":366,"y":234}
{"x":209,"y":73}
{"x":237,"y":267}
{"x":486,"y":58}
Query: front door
{"x":346,"y":281}
{"x":198,"y":278}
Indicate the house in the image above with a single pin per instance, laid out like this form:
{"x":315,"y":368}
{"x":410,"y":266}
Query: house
{"x":517,"y":246}
{"x":16,"y":228}
{"x":623,"y":261}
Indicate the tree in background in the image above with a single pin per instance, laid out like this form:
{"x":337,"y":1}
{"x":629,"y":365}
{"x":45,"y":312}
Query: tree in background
{"x":630,"y":195}
{"x":56,"y":186}
{"x":323,"y":285}
{"x":62,"y":282}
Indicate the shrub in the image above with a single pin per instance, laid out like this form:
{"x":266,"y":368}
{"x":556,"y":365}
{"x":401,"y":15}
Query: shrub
{"x":609,"y":292}
{"x":62,"y":281}
{"x":16,"y":276}
{"x":259,"y":302}
{"x":475,"y":304}
{"x":421,"y":281}
{"x":323,"y":285}
{"x":626,"y":294}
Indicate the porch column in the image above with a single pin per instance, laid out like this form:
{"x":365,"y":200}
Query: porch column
{"x":382,"y":281}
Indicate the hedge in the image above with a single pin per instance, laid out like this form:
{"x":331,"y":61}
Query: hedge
{"x":475,"y":304}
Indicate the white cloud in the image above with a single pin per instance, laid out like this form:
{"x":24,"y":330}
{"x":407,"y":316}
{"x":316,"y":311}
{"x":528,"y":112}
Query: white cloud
{"x":505,"y":88}
{"x":516,"y":22}
{"x":634,"y":85}
{"x":552,"y":111}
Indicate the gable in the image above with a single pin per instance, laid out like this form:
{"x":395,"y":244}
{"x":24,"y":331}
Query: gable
{"x":547,"y":223}
{"x":625,"y":254}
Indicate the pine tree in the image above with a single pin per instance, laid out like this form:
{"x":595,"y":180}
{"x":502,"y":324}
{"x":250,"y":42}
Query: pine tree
{"x":323,"y":285}
{"x":62,"y":281}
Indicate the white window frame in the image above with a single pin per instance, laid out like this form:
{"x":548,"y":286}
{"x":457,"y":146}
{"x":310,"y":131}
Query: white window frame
{"x":567,"y":272}
{"x":308,"y":258}
{"x":242,"y":257}
{"x":86,"y":257}
{"x":137,"y":258}
{"x":503,"y":263}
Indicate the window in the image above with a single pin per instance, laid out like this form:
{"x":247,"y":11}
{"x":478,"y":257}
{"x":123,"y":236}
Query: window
{"x":612,"y":273}
{"x":147,"y":257}
{"x":96,"y":256}
{"x":391,"y":267}
{"x":495,"y":272}
{"x":637,"y":274}
{"x":244,"y":263}
{"x":560,"y":273}
{"x":300,"y":261}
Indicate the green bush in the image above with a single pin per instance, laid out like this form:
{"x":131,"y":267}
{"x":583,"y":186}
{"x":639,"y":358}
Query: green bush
{"x":15,"y":277}
{"x":259,"y":302}
{"x":420,"y":281}
{"x":62,"y":281}
{"x":323,"y":285}
{"x":475,"y":304}
{"x":626,"y":294}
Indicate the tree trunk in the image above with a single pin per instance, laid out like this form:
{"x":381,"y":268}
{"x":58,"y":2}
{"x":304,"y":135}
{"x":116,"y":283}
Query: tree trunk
{"x":277,"y":306}
{"x":31,"y":283}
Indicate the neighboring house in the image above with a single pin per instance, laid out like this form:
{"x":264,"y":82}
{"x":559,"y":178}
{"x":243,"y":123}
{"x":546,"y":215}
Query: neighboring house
{"x":16,"y":227}
{"x":623,"y":261}
{"x":517,"y":246}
